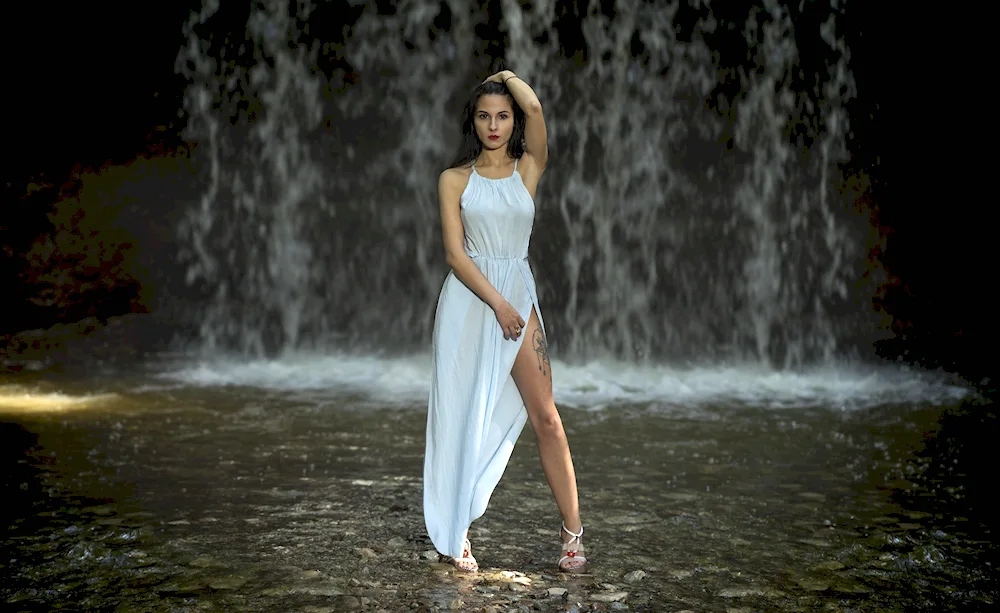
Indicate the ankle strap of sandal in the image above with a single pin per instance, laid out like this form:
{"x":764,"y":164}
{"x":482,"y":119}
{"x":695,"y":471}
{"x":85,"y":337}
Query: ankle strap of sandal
{"x":576,"y":537}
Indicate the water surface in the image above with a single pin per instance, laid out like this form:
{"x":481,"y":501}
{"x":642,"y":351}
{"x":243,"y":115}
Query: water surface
{"x":282,"y":487}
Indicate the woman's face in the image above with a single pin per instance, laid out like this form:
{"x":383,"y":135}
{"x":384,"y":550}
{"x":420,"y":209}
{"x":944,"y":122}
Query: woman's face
{"x":494,"y":120}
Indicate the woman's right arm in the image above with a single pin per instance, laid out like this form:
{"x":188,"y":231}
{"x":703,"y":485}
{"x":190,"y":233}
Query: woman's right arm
{"x":450,"y":186}
{"x":450,"y":197}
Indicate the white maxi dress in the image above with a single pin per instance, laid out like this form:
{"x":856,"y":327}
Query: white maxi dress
{"x":475,"y":412}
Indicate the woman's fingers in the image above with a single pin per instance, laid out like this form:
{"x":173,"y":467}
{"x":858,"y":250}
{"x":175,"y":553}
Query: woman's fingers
{"x":513,"y":330}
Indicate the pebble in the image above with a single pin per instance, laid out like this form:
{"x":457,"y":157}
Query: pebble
{"x":609,"y":597}
{"x":811,"y":496}
{"x":851,"y":589}
{"x":318,"y":589}
{"x":231,"y":582}
{"x":206,"y":562}
{"x":680,"y":496}
{"x":635,"y":575}
{"x":815,"y":542}
{"x":813,"y":585}
{"x":348,"y":603}
{"x":745,"y":592}
{"x":366,"y":553}
{"x":183,"y":588}
{"x":828,"y":565}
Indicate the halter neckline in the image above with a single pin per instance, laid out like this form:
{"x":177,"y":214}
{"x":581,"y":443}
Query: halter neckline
{"x":499,"y":179}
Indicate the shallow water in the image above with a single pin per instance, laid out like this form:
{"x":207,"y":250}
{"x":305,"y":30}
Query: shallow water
{"x":144,"y":492}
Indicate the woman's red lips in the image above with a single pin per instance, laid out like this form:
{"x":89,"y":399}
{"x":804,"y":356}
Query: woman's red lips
{"x":493,"y":137}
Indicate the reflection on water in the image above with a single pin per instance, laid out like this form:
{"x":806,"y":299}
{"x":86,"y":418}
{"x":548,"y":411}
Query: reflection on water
{"x":185,"y":497}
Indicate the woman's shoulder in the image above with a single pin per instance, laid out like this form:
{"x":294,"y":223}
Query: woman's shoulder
{"x":455,"y":178}
{"x":456,"y":174}
{"x":464,"y":169}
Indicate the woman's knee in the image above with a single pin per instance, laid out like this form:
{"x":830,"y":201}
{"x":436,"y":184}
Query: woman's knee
{"x":548,"y":424}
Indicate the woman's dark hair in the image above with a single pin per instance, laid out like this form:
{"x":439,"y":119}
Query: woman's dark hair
{"x":470,"y":146}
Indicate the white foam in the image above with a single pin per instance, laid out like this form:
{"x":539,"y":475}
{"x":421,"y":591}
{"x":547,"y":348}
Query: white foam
{"x":594,"y":385}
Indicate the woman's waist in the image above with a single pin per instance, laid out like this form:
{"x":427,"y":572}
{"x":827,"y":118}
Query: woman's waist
{"x":475,"y":255}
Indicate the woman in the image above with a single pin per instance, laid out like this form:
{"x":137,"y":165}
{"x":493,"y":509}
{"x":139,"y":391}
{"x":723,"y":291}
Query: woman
{"x":491,"y":366}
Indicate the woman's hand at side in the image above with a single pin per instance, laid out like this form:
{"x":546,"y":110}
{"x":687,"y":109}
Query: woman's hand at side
{"x":509,"y":320}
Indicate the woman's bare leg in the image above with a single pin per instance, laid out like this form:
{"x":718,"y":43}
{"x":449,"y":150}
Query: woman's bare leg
{"x":533,"y":376}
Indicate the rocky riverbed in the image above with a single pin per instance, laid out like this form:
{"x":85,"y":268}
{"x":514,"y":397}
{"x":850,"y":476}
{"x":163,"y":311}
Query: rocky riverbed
{"x":128,"y":494}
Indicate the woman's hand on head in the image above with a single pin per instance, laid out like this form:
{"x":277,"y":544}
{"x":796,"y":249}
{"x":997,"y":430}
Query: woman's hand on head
{"x":499,"y":76}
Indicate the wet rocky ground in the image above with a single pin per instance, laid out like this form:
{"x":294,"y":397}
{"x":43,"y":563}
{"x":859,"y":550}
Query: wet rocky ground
{"x":127,"y":497}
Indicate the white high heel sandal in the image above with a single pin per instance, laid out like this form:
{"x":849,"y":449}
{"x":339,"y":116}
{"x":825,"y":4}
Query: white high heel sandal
{"x":573,"y":552}
{"x":465,"y":559}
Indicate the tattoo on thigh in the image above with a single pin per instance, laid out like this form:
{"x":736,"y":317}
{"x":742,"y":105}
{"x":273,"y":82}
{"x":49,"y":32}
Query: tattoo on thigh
{"x":541,"y":347}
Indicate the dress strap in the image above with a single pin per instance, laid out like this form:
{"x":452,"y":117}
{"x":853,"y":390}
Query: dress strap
{"x":515,"y":164}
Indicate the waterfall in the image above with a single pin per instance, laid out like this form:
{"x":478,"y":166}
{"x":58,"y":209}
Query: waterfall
{"x":693,"y":210}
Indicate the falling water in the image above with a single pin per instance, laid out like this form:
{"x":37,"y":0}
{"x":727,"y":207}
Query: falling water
{"x":244,"y":240}
{"x":674,"y":224}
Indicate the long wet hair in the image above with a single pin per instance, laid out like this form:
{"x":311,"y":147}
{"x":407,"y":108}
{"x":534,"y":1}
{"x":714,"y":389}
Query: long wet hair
{"x":470,"y":146}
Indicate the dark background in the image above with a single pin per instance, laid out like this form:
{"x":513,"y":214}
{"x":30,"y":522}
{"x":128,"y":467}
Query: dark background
{"x":89,"y":84}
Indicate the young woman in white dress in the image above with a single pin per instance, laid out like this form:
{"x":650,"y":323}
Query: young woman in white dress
{"x":491,"y":367}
